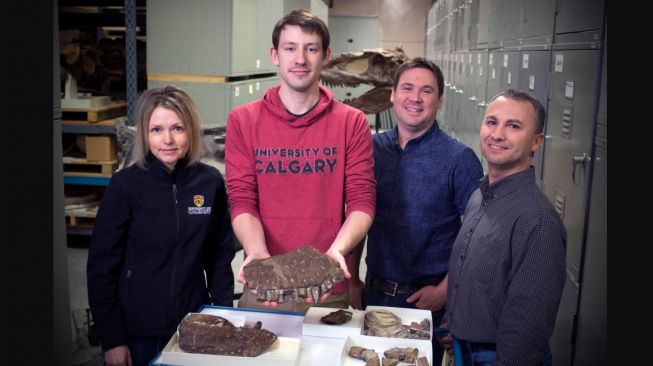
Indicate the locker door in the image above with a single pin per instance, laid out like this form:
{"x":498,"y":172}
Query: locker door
{"x":483,"y":26}
{"x":512,"y":15}
{"x":562,"y":338}
{"x":510,"y":67}
{"x":534,"y":79}
{"x":538,"y":18}
{"x":471,"y":23}
{"x":481,"y":60}
{"x":268,"y":12}
{"x":243,"y":37}
{"x":579,"y":15}
{"x":495,"y":23}
{"x":495,"y":66}
{"x":569,"y":135}
{"x":592,"y":340}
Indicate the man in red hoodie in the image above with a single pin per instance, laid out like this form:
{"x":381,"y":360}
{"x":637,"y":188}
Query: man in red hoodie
{"x":296,"y":158}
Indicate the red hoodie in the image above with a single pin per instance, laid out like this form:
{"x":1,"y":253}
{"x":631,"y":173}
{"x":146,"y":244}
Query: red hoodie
{"x":296,"y":174}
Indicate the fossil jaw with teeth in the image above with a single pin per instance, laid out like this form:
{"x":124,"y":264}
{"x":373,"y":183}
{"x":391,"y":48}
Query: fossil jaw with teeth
{"x":298,"y":274}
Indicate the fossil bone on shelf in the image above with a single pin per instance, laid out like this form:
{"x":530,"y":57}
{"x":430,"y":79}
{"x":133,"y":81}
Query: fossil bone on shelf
{"x":301,"y":273}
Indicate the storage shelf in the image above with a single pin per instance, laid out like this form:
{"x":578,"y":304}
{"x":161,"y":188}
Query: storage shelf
{"x":88,"y":129}
{"x":86,"y":181}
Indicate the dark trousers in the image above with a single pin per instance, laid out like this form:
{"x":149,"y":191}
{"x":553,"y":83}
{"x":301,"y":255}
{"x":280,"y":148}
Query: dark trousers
{"x":143,"y":350}
{"x":379,"y":298}
{"x":483,"y":354}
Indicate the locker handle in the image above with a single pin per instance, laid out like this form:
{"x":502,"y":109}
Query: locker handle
{"x":482,"y":104}
{"x":583,"y":159}
{"x":472,"y":99}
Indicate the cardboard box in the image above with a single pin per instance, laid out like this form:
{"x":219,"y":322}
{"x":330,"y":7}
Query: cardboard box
{"x":380,"y":345}
{"x":313,"y":326}
{"x":283,"y":352}
{"x":101,"y":148}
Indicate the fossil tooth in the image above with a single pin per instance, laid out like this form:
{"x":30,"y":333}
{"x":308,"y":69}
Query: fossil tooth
{"x":315,"y":294}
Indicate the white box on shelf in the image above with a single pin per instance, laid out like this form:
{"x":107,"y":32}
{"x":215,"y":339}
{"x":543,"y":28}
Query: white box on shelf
{"x":380,"y":345}
{"x":283,"y":352}
{"x":313,"y":326}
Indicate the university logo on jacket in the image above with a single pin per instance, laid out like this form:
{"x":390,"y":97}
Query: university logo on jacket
{"x":198,"y":200}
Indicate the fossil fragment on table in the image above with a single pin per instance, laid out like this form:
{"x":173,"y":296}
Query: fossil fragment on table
{"x":337,"y":317}
{"x":405,"y":354}
{"x":370,"y":356}
{"x":389,"y":361}
{"x":423,"y":361}
{"x":212,"y":334}
{"x":301,"y":273}
{"x":384,"y":323}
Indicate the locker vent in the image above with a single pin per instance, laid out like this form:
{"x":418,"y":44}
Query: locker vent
{"x":560,"y":203}
{"x":566,"y":122}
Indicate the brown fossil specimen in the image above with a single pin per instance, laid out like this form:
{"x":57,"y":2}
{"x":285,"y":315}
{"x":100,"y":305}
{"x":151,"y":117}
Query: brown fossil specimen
{"x":408,"y":354}
{"x":370,"y":356}
{"x":301,"y":273}
{"x":337,"y":317}
{"x":389,"y":361}
{"x":422,"y":361}
{"x":384,"y":323}
{"x":212,"y":334}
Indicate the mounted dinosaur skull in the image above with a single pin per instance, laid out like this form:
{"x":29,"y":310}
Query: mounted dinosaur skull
{"x":375,"y":67}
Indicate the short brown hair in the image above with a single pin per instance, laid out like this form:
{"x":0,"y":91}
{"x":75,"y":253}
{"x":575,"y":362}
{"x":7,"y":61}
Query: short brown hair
{"x":423,"y":63}
{"x":538,"y":108}
{"x":176,"y":100}
{"x":307,"y":21}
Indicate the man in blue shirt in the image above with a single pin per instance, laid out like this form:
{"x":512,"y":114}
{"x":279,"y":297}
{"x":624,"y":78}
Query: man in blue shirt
{"x":424,"y":179}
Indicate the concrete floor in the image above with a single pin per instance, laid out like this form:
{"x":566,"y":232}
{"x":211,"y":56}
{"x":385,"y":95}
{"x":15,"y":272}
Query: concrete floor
{"x":85,"y":354}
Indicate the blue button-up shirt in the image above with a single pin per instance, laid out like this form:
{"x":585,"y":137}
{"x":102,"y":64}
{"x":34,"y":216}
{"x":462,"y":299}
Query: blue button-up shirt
{"x":422,"y":191}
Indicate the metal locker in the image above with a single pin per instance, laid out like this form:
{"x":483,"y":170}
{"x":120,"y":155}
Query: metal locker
{"x":562,"y":339}
{"x":459,"y":16}
{"x":591,"y":347}
{"x":494,"y":72}
{"x":208,"y":38}
{"x":268,"y":13}
{"x":512,"y":15}
{"x":569,"y":131}
{"x":495,"y":22}
{"x":450,"y":21}
{"x":538,"y":18}
{"x":244,"y":56}
{"x":510,"y":70}
{"x":478,"y":96}
{"x":484,"y":20}
{"x":534,"y":79}
{"x":579,"y":15}
{"x":592,"y":339}
{"x":470,"y":24}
